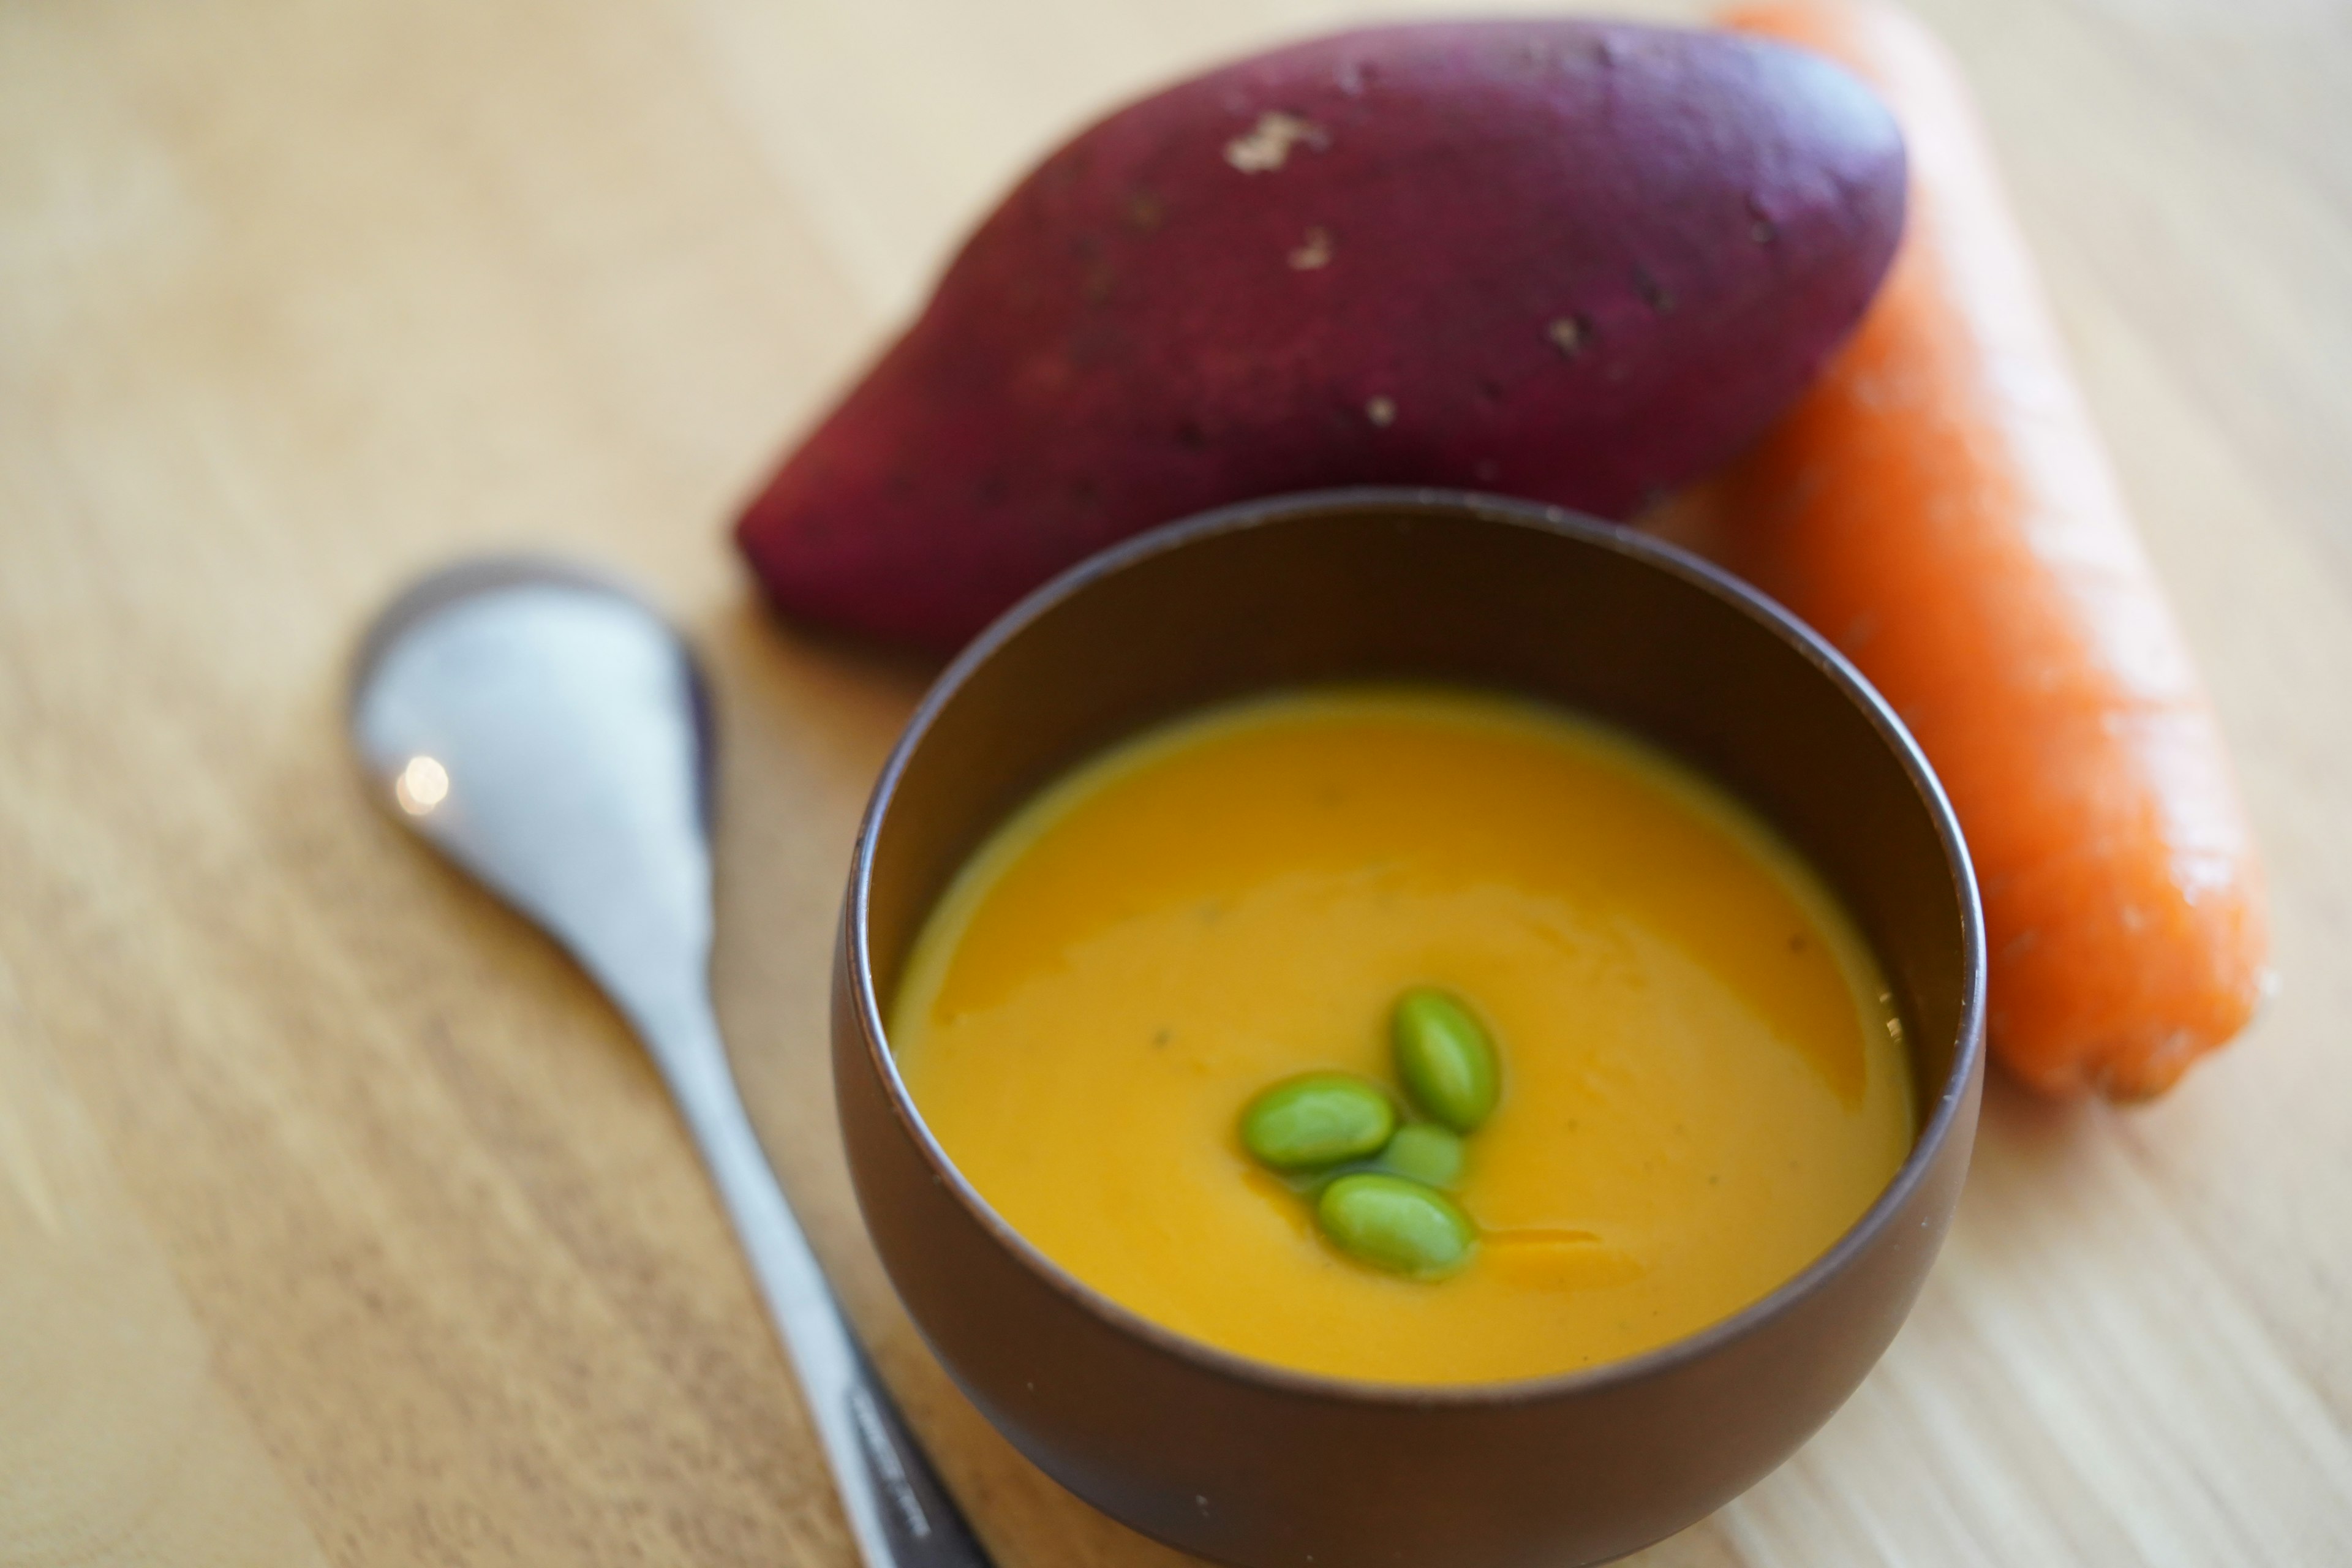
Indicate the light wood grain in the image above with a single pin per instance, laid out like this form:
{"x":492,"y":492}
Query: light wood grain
{"x":340,"y":1222}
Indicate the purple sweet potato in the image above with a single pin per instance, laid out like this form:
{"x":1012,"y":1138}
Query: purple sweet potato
{"x":1572,"y":261}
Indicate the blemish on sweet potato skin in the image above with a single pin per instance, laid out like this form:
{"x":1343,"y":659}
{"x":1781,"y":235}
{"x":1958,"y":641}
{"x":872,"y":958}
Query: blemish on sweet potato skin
{"x":1267,"y":146}
{"x":1145,"y":211}
{"x":1535,"y":242}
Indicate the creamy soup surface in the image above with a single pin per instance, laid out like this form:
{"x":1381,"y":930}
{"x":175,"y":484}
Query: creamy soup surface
{"x":1704,"y":1081}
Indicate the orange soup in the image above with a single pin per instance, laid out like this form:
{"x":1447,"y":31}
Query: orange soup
{"x":1702,"y":1079}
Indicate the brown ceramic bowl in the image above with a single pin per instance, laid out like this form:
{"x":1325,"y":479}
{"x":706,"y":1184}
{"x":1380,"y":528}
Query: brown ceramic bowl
{"x":1256,"y":1465}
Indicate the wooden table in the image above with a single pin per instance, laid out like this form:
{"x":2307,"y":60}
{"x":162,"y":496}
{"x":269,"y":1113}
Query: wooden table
{"x":340,"y":1221}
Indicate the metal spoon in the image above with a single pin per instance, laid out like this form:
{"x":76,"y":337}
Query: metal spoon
{"x":542,"y":728}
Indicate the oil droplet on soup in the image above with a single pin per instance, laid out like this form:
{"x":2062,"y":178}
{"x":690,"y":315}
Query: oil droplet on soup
{"x":1700,"y":1093}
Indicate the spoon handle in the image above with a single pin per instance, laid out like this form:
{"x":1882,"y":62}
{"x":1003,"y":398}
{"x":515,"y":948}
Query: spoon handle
{"x":898,"y":1512}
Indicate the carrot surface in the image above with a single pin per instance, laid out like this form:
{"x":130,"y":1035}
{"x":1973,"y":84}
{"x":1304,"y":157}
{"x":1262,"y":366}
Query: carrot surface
{"x":1938,"y":505}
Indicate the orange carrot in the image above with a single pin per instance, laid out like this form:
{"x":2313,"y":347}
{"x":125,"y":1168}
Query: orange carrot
{"x":1938,"y":505}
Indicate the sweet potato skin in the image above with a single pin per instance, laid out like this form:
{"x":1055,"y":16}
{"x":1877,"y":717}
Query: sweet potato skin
{"x":1570,"y":260}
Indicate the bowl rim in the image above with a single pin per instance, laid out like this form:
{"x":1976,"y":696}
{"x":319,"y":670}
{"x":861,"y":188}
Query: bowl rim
{"x":1950,"y":1099}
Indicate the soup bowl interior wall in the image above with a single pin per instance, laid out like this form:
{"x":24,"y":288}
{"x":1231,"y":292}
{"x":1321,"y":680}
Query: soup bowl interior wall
{"x":1258,"y":1466}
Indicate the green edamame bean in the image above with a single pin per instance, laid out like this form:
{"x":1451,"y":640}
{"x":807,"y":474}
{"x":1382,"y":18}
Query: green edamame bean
{"x":1396,"y":1224}
{"x":1445,"y":1057}
{"x":1318,"y":1119}
{"x":1426,"y":1154}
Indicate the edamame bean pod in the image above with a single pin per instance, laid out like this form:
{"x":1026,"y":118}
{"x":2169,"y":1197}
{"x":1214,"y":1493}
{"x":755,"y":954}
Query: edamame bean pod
{"x":1426,"y":1154}
{"x":1317,"y":1119}
{"x":1397,"y":1224}
{"x":1445,"y":1057}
